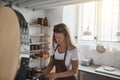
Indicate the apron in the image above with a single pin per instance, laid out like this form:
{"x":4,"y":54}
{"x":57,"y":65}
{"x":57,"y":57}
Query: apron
{"x":60,"y":67}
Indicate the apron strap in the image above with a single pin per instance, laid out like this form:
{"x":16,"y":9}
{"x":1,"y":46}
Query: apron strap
{"x":65,"y":55}
{"x":55,"y":49}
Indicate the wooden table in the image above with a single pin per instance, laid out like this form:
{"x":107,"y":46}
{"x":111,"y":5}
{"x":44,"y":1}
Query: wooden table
{"x":91,"y":69}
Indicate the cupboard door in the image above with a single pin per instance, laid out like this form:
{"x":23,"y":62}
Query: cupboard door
{"x":9,"y":43}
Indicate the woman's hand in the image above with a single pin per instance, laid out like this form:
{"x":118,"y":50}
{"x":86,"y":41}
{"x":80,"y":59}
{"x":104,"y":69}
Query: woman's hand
{"x":51,"y":76}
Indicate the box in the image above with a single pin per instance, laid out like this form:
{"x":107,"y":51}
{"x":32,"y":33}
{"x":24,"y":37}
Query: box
{"x":86,"y":62}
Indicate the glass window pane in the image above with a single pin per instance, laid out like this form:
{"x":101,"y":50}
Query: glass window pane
{"x":109,"y":19}
{"x":86,"y":19}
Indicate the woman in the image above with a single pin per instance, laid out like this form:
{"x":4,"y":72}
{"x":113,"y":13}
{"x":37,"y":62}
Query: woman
{"x":64,"y":55}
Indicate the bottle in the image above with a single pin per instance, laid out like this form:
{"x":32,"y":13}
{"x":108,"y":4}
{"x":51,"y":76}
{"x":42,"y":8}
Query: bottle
{"x":45,"y":23}
{"x":40,"y":21}
{"x":30,"y":40}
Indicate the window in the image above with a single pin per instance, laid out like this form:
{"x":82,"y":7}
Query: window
{"x":101,"y":17}
{"x":86,"y":13}
{"x":109,"y":20}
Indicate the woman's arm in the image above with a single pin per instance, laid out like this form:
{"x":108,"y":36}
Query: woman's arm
{"x":50,"y":66}
{"x":67,"y":73}
{"x":70,"y":72}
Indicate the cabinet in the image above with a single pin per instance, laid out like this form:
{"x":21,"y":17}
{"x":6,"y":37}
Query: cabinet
{"x":39,"y":45}
{"x":93,"y":69}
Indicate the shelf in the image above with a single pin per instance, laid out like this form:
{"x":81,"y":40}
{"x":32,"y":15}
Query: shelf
{"x":37,"y":25}
{"x":32,"y":51}
{"x":38,"y":43}
{"x":40,"y":58}
{"x":39,"y":35}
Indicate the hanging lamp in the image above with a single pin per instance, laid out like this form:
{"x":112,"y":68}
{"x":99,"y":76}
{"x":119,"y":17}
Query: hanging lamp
{"x":87,"y":32}
{"x":118,"y":34}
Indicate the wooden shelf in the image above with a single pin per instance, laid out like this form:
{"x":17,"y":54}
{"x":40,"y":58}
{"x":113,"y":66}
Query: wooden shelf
{"x":38,"y":43}
{"x":37,"y":25}
{"x":32,"y":60}
{"x":39,"y":35}
{"x":32,"y":51}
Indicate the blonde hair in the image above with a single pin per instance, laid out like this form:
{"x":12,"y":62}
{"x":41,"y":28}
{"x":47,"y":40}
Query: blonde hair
{"x":62,"y":28}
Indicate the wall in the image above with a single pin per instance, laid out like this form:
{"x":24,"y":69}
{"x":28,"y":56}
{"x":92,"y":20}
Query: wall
{"x":30,"y":15}
{"x":54,"y":16}
{"x":110,"y":57}
{"x":70,"y":19}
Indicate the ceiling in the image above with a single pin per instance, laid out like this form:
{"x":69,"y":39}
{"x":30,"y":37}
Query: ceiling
{"x":42,"y":4}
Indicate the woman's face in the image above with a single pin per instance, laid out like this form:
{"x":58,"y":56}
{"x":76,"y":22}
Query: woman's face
{"x":59,"y":38}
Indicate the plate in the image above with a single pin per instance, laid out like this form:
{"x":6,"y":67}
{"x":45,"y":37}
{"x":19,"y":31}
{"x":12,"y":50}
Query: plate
{"x":100,"y":48}
{"x":109,"y":68}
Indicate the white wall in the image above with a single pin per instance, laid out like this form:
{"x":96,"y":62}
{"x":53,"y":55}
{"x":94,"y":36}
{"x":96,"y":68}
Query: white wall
{"x":110,"y":57}
{"x":30,"y":15}
{"x":70,"y":19}
{"x":54,"y":15}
